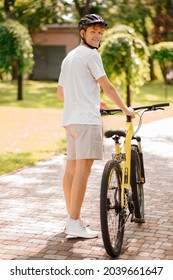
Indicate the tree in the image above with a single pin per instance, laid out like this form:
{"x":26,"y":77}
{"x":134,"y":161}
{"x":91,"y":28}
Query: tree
{"x":125,"y":58}
{"x":33,"y":14}
{"x":163,"y":52}
{"x":15,"y":49}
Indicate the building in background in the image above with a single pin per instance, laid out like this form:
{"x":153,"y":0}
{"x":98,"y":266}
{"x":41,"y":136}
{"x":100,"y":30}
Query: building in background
{"x":50,"y":47}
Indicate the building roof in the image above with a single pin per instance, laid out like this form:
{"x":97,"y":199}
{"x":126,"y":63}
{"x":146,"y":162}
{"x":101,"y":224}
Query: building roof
{"x":56,"y":25}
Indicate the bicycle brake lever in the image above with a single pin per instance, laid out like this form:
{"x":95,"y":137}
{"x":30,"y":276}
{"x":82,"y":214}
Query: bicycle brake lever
{"x":159,"y":109}
{"x":153,"y":109}
{"x":103,"y":112}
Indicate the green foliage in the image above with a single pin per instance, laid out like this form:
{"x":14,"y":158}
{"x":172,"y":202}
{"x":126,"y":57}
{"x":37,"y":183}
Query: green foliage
{"x":162,"y":51}
{"x":35,"y":14}
{"x":125,"y":57}
{"x":15,"y":47}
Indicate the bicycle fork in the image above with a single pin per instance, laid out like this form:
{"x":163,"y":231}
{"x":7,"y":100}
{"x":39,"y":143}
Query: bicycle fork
{"x":141,"y":160}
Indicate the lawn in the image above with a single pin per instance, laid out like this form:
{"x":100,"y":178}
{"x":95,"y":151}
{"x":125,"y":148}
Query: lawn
{"x":36,"y":94}
{"x":30,"y":130}
{"x":42,"y":95}
{"x":150,"y":93}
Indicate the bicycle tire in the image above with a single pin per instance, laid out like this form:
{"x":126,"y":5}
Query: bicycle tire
{"x":111,"y":215}
{"x":137,"y":184}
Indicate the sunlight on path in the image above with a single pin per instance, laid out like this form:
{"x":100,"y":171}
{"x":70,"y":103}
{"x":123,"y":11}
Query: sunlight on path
{"x":154,"y":136}
{"x":29,"y":129}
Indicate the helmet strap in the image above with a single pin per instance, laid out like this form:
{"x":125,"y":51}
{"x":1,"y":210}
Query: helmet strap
{"x":88,"y":45}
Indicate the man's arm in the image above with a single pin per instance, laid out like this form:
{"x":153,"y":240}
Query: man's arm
{"x":113,"y":94}
{"x":60,"y":93}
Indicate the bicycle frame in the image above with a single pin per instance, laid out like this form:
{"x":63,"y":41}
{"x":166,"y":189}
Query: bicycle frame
{"x":126,"y":160}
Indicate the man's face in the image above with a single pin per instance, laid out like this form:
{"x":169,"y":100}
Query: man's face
{"x":93,"y":35}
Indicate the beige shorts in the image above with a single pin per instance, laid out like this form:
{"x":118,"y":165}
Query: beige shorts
{"x":84,"y":141}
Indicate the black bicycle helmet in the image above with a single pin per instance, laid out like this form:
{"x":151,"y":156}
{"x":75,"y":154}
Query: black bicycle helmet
{"x":91,"y":19}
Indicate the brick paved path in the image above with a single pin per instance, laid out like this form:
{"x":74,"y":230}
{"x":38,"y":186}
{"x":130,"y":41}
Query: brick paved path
{"x":32,"y":209}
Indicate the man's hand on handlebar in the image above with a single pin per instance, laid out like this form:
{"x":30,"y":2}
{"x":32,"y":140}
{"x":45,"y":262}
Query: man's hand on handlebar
{"x":103,"y":105}
{"x":130,"y":112}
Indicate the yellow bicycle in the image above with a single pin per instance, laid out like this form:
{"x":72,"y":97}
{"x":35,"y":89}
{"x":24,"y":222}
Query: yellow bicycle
{"x":122,"y":193}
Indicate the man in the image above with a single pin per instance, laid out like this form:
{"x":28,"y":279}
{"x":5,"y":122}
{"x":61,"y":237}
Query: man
{"x":81,"y":76}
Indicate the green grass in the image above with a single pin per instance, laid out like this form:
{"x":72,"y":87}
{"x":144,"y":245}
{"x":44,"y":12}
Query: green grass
{"x":36,"y":94}
{"x":42,"y":95}
{"x":13,"y":161}
{"x":154,"y":92}
{"x":10,"y":161}
{"x":150,"y":93}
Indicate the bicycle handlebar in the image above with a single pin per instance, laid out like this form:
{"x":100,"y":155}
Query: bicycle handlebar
{"x":147,"y":107}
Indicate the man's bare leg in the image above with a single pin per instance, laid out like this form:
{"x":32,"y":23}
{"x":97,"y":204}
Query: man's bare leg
{"x":68,"y":181}
{"x":74,"y":227}
{"x":80,"y":179}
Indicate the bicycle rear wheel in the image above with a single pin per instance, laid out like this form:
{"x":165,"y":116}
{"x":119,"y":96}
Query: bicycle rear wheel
{"x":112,"y":217}
{"x":137,"y":185}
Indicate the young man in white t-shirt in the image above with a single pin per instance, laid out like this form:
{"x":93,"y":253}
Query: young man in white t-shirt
{"x":81,"y":76}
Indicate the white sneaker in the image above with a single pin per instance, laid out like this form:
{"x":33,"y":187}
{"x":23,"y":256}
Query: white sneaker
{"x":76,"y":228}
{"x":70,"y":236}
{"x":83,"y":220}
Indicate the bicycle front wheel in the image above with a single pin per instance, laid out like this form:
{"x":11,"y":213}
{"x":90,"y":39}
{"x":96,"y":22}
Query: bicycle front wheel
{"x":111,"y":215}
{"x":137,"y":185}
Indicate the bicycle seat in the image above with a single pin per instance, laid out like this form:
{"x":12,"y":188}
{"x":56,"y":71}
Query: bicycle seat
{"x":110,"y":133}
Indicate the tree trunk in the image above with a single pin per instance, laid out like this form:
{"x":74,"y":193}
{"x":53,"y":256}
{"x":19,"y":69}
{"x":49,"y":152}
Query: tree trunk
{"x":164,"y":74}
{"x":7,"y":9}
{"x":128,"y":101}
{"x":152,"y":74}
{"x":20,"y":88}
{"x":82,"y":9}
{"x":14,"y":71}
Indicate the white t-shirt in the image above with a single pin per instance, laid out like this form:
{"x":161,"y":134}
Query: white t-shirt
{"x":80,"y":70}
